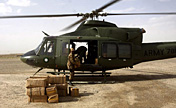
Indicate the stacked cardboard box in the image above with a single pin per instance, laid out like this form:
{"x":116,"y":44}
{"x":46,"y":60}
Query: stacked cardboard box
{"x":46,"y":89}
{"x":36,"y":89}
{"x":59,"y":81}
{"x":53,"y":98}
{"x":52,"y":94}
{"x":62,"y":89}
{"x":74,"y":91}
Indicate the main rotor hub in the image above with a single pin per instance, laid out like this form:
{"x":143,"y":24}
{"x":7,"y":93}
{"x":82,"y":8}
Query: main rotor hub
{"x":92,"y":15}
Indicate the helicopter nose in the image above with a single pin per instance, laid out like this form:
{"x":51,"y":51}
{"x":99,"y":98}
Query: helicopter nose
{"x":23,"y":59}
{"x":26,"y":58}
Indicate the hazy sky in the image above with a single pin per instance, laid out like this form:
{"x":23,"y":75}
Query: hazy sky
{"x":22,"y":35}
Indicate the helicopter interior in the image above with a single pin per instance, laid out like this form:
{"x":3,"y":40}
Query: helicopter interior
{"x":85,"y":50}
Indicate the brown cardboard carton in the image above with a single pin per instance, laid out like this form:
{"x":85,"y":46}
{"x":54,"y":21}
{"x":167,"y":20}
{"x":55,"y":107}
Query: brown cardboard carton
{"x":53,"y":98}
{"x":61,"y":86}
{"x":44,"y":77}
{"x":36,"y":82}
{"x":74,"y":92}
{"x":39,"y":77}
{"x":51,"y":90}
{"x":57,"y":79}
{"x":37,"y":91}
{"x":37,"y":98}
{"x":62,"y":93}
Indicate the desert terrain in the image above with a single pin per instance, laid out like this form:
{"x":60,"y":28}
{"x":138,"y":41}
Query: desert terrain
{"x":147,"y":85}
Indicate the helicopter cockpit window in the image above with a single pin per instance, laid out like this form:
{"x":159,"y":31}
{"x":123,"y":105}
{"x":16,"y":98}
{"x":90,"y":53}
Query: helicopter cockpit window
{"x":39,"y":47}
{"x":48,"y":48}
{"x":124,"y":51}
{"x":109,"y":50}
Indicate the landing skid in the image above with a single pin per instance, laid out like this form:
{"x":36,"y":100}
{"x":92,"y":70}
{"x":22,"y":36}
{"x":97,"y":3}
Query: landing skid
{"x":85,"y":74}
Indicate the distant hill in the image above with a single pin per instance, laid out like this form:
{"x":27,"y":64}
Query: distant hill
{"x":10,"y":55}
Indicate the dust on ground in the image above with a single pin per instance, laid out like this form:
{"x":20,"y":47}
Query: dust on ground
{"x":147,"y":85}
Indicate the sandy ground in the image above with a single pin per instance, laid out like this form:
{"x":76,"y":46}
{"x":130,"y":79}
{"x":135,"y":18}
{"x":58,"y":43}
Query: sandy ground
{"x":147,"y":85}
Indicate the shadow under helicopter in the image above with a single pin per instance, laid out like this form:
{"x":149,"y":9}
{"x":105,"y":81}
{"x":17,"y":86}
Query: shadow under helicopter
{"x":74,"y":99}
{"x":122,"y":78}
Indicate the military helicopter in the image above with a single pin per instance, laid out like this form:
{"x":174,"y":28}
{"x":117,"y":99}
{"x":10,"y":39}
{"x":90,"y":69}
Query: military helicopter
{"x":108,"y":46}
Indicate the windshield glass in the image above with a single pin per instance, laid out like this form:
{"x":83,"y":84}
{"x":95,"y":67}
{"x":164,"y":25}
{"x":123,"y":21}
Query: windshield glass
{"x":38,"y":48}
{"x":47,"y":48}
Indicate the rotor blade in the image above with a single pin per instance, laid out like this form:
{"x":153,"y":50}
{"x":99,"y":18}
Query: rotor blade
{"x":166,"y":13}
{"x":38,"y":16}
{"x":105,"y":6}
{"x":74,"y":24}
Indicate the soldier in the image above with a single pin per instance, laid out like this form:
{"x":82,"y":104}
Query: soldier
{"x":71,"y":65}
{"x":81,"y":51}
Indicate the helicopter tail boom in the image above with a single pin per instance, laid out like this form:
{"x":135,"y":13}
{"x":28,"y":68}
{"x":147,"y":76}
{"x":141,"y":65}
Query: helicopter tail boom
{"x":156,"y":51}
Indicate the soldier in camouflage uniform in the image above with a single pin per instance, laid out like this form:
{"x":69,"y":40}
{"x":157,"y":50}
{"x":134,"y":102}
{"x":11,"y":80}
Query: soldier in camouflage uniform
{"x":71,"y":64}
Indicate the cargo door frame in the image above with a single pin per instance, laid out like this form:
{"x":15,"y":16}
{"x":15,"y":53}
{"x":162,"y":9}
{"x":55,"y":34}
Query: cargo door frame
{"x":62,"y":54}
{"x":107,"y":60}
{"x":113,"y":62}
{"x":125,"y":54}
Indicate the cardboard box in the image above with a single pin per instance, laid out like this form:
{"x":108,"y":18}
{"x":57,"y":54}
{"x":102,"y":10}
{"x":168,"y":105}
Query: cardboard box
{"x":36,"y":82}
{"x":37,"y":91}
{"x":61,"y":86}
{"x":51,"y":90}
{"x":39,"y":77}
{"x":74,"y":92}
{"x":57,"y":79}
{"x":62,"y":93}
{"x":37,"y":99}
{"x":44,"y":77}
{"x":53,"y":98}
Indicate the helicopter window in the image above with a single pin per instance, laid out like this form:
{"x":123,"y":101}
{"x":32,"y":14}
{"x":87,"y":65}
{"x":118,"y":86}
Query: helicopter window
{"x":124,"y":50}
{"x":65,"y":48}
{"x":109,"y":50}
{"x":48,"y":48}
{"x":39,"y":47}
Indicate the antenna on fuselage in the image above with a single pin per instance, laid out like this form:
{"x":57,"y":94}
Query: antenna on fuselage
{"x":45,"y":33}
